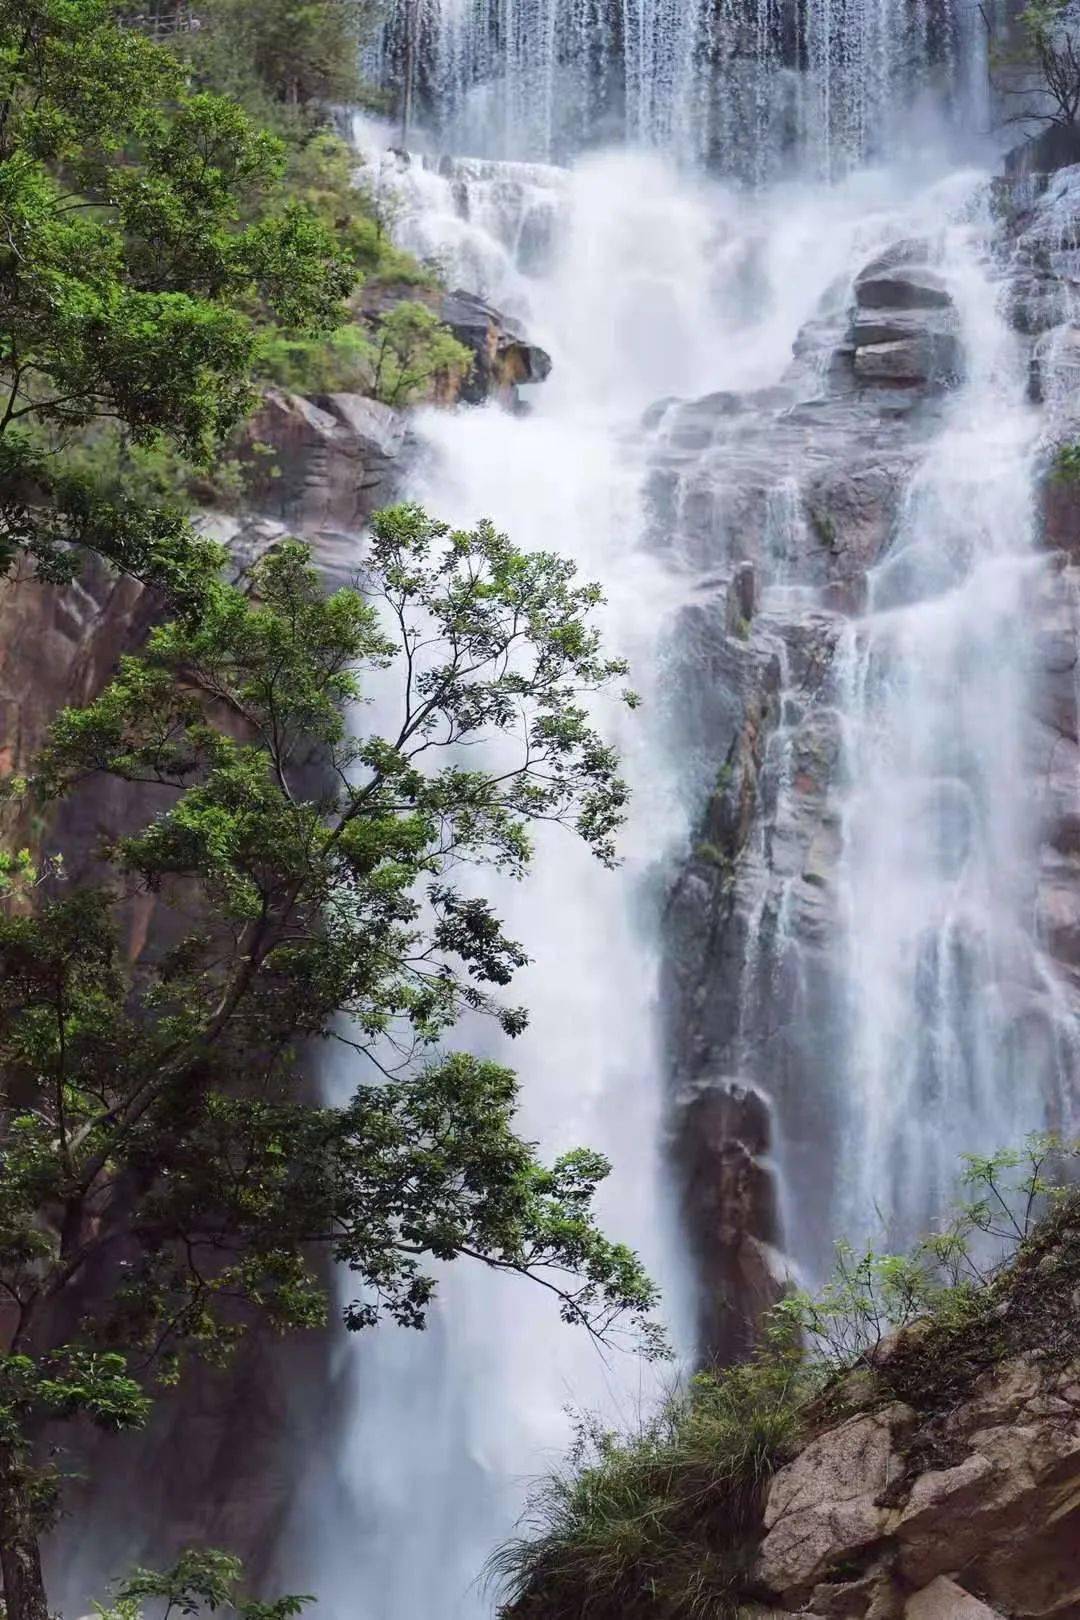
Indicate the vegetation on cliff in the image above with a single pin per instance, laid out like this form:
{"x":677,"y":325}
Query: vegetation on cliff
{"x":665,"y":1523}
{"x":162,"y":252}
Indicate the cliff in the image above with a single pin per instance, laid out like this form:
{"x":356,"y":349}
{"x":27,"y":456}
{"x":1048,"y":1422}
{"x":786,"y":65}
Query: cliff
{"x":217,"y":1465}
{"x":935,"y":1477}
{"x":851,"y":796}
{"x":947,"y":1482}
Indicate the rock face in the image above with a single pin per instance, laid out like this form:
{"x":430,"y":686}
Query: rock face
{"x":803,"y":488}
{"x":334,"y":460}
{"x":505,"y":358}
{"x":801,"y":485}
{"x":853,"y":1529}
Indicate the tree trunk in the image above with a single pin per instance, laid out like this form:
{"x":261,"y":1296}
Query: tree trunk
{"x":20,"y":1555}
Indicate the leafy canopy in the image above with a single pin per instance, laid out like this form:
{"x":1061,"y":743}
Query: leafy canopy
{"x":156,"y":1134}
{"x":142,"y":229}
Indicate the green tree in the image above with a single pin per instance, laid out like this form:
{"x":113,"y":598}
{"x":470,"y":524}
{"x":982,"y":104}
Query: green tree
{"x":1044,"y":66}
{"x":158,"y":1155}
{"x":286,"y":61}
{"x":413,"y":353}
{"x":200,"y":1582}
{"x":142,"y":231}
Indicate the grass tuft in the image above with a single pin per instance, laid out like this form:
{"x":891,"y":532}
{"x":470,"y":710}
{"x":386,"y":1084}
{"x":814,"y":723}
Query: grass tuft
{"x":664,"y":1522}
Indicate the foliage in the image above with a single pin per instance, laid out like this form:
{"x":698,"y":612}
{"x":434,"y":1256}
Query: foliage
{"x":1067,"y":464}
{"x":201,"y":1581}
{"x":660,"y":1525}
{"x":1048,"y":61}
{"x":129,"y":281}
{"x":408,"y":354}
{"x":414,"y":353}
{"x":153,"y":1126}
{"x":873,"y":1296}
{"x":326,"y":176}
{"x":284,"y":61}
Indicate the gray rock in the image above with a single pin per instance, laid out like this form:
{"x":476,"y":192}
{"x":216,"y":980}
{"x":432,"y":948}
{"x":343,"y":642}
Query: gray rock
{"x":933,"y":359}
{"x":902,"y":288}
{"x":505,"y":357}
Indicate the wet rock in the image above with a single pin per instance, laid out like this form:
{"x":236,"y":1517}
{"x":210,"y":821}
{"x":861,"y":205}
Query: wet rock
{"x":729,"y":1204}
{"x":903,"y":288}
{"x":742,"y":599}
{"x":1055,"y":147}
{"x":1054,"y":371}
{"x":896,"y":325}
{"x":944,"y":1600}
{"x":333,"y":461}
{"x":505,"y":358}
{"x":927,"y":360}
{"x":909,"y":250}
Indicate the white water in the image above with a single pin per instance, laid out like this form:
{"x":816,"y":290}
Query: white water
{"x":758,"y":88}
{"x":447,"y":1424}
{"x":950,"y":1044}
{"x":648,"y":284}
{"x":645,"y":283}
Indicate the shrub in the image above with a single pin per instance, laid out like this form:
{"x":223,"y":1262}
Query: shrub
{"x":663,"y":1523}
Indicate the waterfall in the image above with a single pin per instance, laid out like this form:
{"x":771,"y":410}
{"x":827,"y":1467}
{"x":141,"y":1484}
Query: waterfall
{"x":843,"y":978}
{"x":944,"y":970}
{"x":750,"y":86}
{"x":444,"y":1425}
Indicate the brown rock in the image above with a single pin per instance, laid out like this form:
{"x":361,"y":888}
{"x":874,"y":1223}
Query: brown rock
{"x":1009,"y":1512}
{"x":823,"y":1508}
{"x":333,"y":463}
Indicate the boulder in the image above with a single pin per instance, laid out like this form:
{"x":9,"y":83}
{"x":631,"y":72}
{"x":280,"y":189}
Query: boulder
{"x":824,"y":1509}
{"x":855,"y":1528}
{"x":905,"y":287}
{"x":505,"y":357}
{"x":929,"y":360}
{"x":1008,"y":1512}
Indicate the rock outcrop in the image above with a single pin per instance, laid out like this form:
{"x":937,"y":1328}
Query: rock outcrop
{"x":853,"y":1529}
{"x":332,"y":460}
{"x":503,"y":356}
{"x":797,"y":490}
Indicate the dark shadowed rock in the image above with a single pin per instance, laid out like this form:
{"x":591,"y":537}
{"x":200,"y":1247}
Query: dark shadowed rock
{"x":928,"y":360}
{"x":1055,"y":147}
{"x":912,"y":287}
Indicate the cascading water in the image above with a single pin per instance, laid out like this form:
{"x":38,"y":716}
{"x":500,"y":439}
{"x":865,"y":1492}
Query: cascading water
{"x":755,"y":88}
{"x":879,"y":991}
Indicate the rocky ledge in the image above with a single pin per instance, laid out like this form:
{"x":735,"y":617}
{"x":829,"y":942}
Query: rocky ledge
{"x":853,"y":1530}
